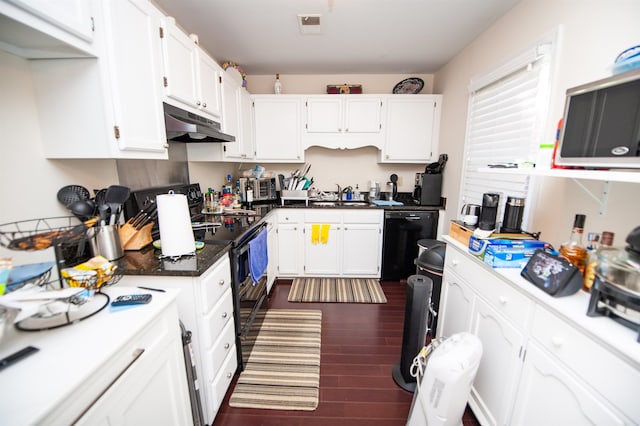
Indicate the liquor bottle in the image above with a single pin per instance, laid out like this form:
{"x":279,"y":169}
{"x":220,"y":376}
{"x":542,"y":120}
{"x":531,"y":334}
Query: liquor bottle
{"x":593,"y":239}
{"x":249,"y":192}
{"x":606,"y":243}
{"x":277,"y":86}
{"x":574,"y":250}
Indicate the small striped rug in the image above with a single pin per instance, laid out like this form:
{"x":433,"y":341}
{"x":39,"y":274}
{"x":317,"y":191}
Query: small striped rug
{"x":282,"y":361}
{"x":339,"y":290}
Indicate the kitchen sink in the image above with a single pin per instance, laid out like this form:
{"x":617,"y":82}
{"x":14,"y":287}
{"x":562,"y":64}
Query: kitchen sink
{"x":339,"y":203}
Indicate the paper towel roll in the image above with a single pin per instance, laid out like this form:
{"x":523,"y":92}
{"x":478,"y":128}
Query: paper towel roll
{"x":174,"y":222}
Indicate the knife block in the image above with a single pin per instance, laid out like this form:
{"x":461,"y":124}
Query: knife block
{"x":135,"y":239}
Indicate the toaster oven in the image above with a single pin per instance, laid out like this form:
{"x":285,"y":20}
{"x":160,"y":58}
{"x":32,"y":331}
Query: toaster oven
{"x":264,"y":189}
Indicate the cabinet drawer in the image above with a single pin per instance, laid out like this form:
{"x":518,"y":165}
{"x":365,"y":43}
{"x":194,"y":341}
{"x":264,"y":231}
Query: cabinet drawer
{"x":290,"y":216}
{"x":616,"y":380}
{"x":217,"y":319}
{"x":223,"y":346}
{"x":369,"y":216}
{"x":218,"y":387}
{"x":214,"y":283}
{"x":508,"y":301}
{"x":319,"y":216}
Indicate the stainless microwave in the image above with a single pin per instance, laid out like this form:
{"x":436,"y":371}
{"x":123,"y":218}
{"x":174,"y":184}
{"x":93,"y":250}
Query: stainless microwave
{"x":264,"y":189}
{"x":601,"y":124}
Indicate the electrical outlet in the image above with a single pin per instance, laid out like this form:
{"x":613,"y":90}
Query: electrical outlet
{"x":399,"y":181}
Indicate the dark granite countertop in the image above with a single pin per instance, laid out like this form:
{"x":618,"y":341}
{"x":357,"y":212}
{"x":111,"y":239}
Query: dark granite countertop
{"x":149,"y":261}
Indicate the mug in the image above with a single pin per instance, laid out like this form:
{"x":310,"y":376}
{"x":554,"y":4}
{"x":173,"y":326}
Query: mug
{"x":470,"y":214}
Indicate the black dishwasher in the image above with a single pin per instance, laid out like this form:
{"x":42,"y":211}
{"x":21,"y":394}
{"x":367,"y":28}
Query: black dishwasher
{"x":402,"y":230}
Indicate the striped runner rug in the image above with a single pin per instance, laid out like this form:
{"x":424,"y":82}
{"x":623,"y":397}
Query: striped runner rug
{"x":282,"y":361}
{"x":340,"y":290}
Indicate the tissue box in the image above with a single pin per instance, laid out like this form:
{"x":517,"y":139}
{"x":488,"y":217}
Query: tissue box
{"x":503,"y":253}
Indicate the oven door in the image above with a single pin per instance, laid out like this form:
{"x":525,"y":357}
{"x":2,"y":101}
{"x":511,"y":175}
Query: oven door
{"x":248,"y":296}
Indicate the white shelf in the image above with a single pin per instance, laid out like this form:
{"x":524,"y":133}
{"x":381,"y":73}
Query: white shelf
{"x":632,"y":176}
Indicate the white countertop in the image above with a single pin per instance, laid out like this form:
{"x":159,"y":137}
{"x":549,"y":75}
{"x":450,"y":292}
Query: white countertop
{"x":617,"y":337}
{"x":68,"y":357}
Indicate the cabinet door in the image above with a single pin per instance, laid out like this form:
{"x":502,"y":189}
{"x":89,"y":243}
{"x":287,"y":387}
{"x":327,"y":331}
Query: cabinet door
{"x":272,"y":253}
{"x":362,"y":250}
{"x":153,"y":390}
{"x":180,"y":65}
{"x":325,"y":115}
{"x":549,"y":395}
{"x":495,"y":383}
{"x":242,"y":148}
{"x":290,"y":249}
{"x":230,"y":113}
{"x":455,"y":306}
{"x":363,"y":115}
{"x":323,"y":258}
{"x":73,"y":16}
{"x":209,"y":74}
{"x":277,"y":128}
{"x":134,"y":65}
{"x":412,"y":129}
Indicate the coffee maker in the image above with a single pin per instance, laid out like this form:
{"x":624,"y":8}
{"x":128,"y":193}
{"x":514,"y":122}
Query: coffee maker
{"x":428,"y":189}
{"x":489,"y":212}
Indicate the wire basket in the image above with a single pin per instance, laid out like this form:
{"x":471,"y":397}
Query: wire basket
{"x":40,"y":234}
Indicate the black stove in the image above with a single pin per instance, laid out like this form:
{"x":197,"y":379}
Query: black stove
{"x":140,"y":199}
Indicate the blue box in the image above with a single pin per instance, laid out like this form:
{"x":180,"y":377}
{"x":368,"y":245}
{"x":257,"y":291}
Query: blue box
{"x":504,"y":253}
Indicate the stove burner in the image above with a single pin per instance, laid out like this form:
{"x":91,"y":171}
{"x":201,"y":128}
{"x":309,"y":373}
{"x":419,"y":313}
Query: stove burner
{"x":614,"y":302}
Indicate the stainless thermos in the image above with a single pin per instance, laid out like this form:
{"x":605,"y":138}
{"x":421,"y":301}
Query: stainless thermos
{"x":513,"y":211}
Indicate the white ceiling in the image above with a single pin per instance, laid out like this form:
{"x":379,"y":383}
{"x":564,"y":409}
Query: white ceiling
{"x":358,"y":36}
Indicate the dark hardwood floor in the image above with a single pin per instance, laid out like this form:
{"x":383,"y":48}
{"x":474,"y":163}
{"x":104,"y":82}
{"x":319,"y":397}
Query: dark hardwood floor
{"x":360,"y":345}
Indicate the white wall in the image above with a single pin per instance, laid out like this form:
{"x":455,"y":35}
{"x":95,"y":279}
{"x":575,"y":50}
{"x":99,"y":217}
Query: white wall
{"x":592,"y":34}
{"x":29,"y":182}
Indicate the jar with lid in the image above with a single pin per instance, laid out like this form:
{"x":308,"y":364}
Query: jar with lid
{"x":605,"y":245}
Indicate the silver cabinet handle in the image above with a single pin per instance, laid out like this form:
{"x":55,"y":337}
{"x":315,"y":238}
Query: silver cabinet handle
{"x":229,"y":375}
{"x":221,"y":282}
{"x":224,"y":315}
{"x":227,"y":346}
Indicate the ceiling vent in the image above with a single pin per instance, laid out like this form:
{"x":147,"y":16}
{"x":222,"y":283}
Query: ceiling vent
{"x":309,"y":24}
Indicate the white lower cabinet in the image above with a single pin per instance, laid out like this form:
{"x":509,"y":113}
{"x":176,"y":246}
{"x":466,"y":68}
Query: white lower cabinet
{"x":537,"y":367}
{"x":272,"y":250}
{"x":150,"y":391}
{"x":502,"y":347}
{"x":350,"y":247}
{"x":550,"y":395}
{"x":205,"y":307}
{"x":290,"y":243}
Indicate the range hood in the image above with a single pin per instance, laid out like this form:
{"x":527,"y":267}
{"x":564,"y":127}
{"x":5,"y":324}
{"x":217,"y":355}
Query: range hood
{"x":185,"y":126}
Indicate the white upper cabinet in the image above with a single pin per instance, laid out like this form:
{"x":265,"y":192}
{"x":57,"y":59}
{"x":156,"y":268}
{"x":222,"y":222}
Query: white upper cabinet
{"x":110,"y":106}
{"x":191,"y":77}
{"x":277,"y":129}
{"x":343,"y":121}
{"x":47,"y":29}
{"x":412,"y":129}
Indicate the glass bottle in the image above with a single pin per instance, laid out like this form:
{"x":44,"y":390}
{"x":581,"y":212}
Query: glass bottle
{"x":574,"y":250}
{"x":606,"y":244}
{"x":593,"y":239}
{"x":277,"y":86}
{"x":249,"y":200}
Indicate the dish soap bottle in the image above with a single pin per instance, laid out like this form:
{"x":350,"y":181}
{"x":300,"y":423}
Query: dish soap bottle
{"x":277,"y":86}
{"x":574,"y":250}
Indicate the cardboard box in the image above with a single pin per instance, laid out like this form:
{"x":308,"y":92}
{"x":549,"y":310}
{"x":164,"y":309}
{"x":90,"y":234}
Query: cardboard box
{"x":504,"y":253}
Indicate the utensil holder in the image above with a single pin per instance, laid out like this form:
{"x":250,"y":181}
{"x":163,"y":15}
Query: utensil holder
{"x":105,"y":241}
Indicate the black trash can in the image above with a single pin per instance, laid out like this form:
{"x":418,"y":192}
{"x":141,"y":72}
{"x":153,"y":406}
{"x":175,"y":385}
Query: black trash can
{"x":430,"y":262}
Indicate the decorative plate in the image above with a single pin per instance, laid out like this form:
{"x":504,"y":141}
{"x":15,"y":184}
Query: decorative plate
{"x":409,"y":85}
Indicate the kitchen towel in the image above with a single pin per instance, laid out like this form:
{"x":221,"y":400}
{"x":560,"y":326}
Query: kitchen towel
{"x":320,"y":233}
{"x":174,"y":222}
{"x":258,"y":256}
{"x":387,"y":203}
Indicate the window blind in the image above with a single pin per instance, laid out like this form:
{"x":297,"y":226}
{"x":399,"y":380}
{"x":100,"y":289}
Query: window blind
{"x":506,"y":115}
